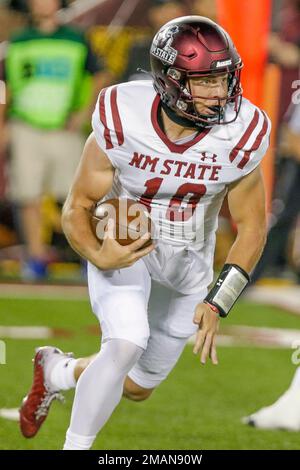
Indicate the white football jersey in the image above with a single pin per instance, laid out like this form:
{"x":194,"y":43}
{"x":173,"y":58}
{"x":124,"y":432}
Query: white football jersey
{"x":182,"y":184}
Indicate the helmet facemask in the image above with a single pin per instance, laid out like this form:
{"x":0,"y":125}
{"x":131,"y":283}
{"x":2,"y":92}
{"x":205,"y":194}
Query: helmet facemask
{"x":184,"y":103}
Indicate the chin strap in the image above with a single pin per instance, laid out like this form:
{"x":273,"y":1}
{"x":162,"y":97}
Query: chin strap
{"x":185,"y":122}
{"x":180,"y":120}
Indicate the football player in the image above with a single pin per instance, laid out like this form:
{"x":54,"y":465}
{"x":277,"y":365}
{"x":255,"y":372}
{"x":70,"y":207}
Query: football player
{"x":284,"y":414}
{"x":177,"y":144}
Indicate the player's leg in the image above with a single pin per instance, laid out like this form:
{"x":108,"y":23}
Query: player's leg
{"x":26,"y":179}
{"x":169,"y":312}
{"x":63,"y":372}
{"x":55,"y":371}
{"x":283,"y":414}
{"x":64,"y":149}
{"x":171,"y":325}
{"x":99,"y":391}
{"x":134,"y":392}
{"x":119,"y":299}
{"x":131,"y":390}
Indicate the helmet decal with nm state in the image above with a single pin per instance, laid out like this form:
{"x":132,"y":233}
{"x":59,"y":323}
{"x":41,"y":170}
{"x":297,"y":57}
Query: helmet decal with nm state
{"x":161,"y":45}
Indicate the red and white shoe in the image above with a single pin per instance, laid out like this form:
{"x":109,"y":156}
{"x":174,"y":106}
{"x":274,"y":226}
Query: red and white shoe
{"x":36,"y":404}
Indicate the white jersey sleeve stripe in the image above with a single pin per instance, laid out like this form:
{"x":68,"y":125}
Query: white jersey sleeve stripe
{"x":245,"y":137}
{"x":256,"y":143}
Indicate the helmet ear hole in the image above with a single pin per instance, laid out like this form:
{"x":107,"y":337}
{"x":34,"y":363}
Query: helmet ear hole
{"x":174,"y":73}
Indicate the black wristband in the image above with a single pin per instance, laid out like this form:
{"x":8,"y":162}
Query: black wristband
{"x":228,"y":287}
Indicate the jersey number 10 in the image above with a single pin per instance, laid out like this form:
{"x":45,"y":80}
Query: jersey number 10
{"x":176,"y":211}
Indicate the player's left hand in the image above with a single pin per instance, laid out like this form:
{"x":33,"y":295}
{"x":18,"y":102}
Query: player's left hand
{"x":208,"y":322}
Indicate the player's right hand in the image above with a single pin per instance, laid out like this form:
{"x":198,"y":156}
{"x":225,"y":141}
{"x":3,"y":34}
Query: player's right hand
{"x":112,"y":255}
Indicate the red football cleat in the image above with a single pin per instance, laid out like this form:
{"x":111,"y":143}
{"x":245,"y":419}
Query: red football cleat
{"x":36,"y":404}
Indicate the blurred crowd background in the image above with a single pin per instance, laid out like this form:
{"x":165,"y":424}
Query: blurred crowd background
{"x":55,"y":56}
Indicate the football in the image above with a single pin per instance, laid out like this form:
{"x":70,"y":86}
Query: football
{"x":131,"y":220}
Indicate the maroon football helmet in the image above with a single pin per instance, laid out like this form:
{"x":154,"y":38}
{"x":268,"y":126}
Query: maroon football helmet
{"x":193,"y":46}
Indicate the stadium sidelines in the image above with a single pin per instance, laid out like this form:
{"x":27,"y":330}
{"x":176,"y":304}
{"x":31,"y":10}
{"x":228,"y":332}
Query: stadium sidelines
{"x":43,"y":291}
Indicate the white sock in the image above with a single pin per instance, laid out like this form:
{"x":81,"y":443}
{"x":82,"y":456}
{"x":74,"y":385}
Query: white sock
{"x":77,"y":442}
{"x":99,"y":390}
{"x":296,"y":378}
{"x":61,"y":376}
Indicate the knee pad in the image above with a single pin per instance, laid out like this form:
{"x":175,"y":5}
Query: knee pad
{"x":121,"y":353}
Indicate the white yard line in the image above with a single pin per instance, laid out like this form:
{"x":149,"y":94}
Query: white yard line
{"x":33,"y":332}
{"x":43,"y":291}
{"x":26,"y":332}
{"x":12,"y":414}
{"x":257,"y":337}
{"x":229,"y":336}
{"x":287,"y":297}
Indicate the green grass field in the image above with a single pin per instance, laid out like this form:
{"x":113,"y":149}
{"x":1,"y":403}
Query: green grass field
{"x":195,"y":408}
